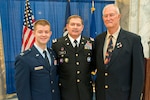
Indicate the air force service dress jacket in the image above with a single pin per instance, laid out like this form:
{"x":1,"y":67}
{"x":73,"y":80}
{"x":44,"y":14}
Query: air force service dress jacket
{"x":36,"y":79}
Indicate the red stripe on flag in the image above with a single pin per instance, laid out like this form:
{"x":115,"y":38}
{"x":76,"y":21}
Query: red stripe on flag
{"x":24,"y":32}
{"x":26,"y":41}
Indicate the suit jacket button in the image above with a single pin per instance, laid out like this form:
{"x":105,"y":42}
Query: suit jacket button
{"x":77,"y":55}
{"x":106,"y":86}
{"x":78,"y":72}
{"x":78,"y":80}
{"x":53,"y":90}
{"x":59,"y":84}
{"x":52,"y":82}
{"x":106,"y":74}
{"x":77,"y":63}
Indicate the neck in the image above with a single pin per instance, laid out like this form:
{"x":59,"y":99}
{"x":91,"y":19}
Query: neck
{"x":43,"y":47}
{"x":113,"y":30}
{"x":74,"y":37}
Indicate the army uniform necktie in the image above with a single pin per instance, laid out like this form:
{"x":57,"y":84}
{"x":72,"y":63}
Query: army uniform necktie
{"x":75,"y":41}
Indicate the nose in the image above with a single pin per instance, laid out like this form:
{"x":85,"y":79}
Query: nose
{"x":75,"y":26}
{"x":44,"y":33}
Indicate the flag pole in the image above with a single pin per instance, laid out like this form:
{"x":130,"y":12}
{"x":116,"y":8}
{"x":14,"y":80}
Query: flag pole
{"x":92,"y":35}
{"x":93,"y":24}
{"x":68,"y":13}
{"x":92,"y":8}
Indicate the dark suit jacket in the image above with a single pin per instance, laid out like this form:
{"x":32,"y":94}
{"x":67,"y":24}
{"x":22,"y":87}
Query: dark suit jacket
{"x":123,"y":78}
{"x":74,"y":68}
{"x":36,"y":79}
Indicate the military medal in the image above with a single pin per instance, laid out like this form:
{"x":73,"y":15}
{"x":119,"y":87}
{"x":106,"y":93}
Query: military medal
{"x":62,"y":52}
{"x":88,"y":45}
{"x":61,"y":60}
{"x":66,"y":60}
{"x":88,"y":59}
{"x":62,"y":48}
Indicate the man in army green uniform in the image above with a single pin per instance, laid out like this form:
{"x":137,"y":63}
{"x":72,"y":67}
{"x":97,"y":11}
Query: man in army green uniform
{"x":74,"y":57}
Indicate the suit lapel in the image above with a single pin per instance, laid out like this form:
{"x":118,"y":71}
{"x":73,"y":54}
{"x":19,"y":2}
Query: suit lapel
{"x":102,"y":41}
{"x":52,"y":56}
{"x":100,"y":45}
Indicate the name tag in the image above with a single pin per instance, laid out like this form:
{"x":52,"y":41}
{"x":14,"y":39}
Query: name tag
{"x":38,"y":68}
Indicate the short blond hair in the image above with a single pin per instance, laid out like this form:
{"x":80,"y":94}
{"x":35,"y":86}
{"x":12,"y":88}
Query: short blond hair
{"x":42,"y":22}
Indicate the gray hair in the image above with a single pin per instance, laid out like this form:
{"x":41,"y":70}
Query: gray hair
{"x":113,"y":5}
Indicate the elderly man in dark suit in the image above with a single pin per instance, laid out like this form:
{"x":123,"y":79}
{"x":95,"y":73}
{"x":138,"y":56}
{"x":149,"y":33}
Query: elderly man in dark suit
{"x":119,"y":60}
{"x":74,"y":56}
{"x":36,"y":73}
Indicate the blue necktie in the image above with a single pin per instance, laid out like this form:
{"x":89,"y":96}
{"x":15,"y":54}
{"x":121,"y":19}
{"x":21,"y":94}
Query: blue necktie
{"x":109,"y":50}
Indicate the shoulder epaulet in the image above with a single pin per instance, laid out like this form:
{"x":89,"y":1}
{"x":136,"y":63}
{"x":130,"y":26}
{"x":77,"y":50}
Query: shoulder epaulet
{"x":54,"y":40}
{"x":25,"y":52}
{"x":92,"y":39}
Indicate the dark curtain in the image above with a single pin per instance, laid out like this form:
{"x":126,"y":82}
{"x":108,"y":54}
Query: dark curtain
{"x":12,"y":11}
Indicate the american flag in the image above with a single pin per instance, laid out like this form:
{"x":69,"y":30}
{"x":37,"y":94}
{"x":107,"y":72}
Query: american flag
{"x":27,"y":36}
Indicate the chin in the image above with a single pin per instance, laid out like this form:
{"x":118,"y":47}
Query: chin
{"x":109,"y":26}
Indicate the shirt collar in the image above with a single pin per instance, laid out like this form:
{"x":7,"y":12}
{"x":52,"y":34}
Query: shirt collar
{"x":115,"y":35}
{"x":39,"y":49}
{"x":72,"y":40}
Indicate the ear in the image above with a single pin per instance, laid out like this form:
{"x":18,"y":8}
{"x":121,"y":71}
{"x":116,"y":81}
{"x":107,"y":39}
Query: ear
{"x":67,"y":26}
{"x":50,"y":32}
{"x":82,"y":27}
{"x":119,"y":16}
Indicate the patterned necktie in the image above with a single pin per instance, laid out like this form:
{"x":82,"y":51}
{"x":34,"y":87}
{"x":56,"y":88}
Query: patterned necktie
{"x":46,"y":58}
{"x":109,"y":50}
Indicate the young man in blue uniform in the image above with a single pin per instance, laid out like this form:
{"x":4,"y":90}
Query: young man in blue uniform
{"x":36,"y":78}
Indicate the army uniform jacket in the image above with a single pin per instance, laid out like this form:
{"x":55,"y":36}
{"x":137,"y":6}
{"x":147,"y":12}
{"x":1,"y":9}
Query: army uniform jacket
{"x":36,"y":79}
{"x":74,"y":68}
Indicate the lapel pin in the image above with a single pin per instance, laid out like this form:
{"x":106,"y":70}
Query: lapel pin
{"x":119,"y":45}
